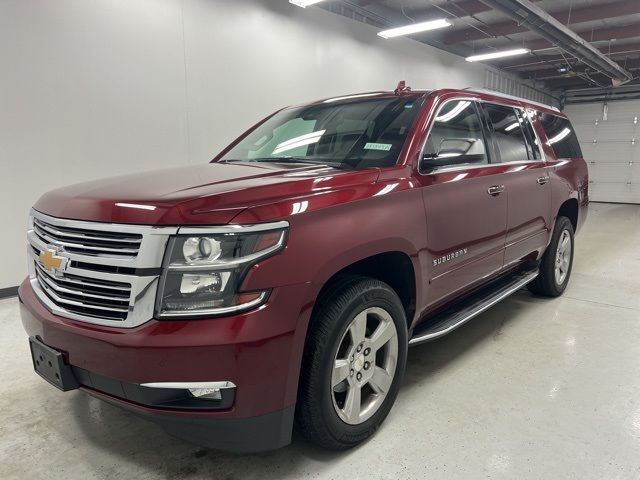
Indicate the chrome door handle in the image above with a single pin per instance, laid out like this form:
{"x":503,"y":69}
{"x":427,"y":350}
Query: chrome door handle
{"x":542,"y":180}
{"x":495,"y":190}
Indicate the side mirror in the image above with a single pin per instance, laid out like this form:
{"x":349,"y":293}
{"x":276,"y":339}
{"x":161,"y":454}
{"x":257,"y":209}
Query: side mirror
{"x":451,"y":152}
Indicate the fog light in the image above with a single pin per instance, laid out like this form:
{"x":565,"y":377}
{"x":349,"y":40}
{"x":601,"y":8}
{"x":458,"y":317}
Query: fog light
{"x":200,"y":390}
{"x":208,"y":393}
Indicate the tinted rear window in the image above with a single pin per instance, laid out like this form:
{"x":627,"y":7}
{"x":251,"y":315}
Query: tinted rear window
{"x":561,"y":136}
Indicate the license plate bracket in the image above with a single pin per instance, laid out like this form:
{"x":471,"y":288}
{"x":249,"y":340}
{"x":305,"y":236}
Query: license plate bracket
{"x":49,"y":364}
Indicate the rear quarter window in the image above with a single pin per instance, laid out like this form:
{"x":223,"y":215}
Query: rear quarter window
{"x":560,"y":135}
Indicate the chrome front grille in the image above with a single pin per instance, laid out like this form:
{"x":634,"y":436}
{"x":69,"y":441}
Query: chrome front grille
{"x":86,"y":296}
{"x":111,"y":271}
{"x":88,"y":242}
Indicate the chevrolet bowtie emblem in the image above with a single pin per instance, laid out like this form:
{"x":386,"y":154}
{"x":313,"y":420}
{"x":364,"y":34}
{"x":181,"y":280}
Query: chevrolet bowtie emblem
{"x":51,"y":262}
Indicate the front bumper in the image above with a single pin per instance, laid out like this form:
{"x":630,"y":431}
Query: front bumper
{"x":258,"y":351}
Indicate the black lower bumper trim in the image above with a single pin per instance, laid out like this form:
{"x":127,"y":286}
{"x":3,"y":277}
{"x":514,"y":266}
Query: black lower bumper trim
{"x":237,"y":435}
{"x":243,"y":435}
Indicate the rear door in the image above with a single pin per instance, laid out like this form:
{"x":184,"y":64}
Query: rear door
{"x":465,"y":204}
{"x":528,"y":190}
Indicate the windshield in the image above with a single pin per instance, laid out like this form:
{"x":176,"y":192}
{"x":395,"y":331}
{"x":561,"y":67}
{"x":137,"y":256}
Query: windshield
{"x":358,"y":134}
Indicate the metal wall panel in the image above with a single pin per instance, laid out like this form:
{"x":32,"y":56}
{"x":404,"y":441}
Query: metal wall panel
{"x":611,"y":148}
{"x":504,"y":83}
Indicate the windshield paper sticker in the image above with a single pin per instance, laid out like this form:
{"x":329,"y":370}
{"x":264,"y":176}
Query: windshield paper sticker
{"x":385,"y":147}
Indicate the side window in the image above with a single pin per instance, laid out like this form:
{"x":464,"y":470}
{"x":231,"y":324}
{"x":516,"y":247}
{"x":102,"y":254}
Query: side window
{"x":456,"y":137}
{"x":507,"y":132}
{"x":530,"y":135}
{"x":560,"y":135}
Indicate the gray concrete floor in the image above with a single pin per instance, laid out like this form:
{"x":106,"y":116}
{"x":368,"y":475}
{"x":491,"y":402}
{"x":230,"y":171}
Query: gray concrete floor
{"x":534,"y":388}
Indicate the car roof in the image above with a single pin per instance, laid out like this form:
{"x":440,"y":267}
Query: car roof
{"x":486,"y":95}
{"x":481,"y":94}
{"x":374,"y":94}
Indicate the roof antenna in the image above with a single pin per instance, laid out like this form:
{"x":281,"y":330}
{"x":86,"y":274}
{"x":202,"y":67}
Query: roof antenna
{"x":402,"y":88}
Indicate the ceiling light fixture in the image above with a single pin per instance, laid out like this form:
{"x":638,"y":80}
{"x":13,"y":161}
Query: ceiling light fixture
{"x":304,"y":3}
{"x":504,"y":53}
{"x":414,"y":28}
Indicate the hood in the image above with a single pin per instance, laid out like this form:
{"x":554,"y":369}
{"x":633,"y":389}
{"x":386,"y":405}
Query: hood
{"x":208,"y":194}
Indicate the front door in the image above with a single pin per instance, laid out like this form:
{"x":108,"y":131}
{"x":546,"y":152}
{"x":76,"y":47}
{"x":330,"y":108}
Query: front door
{"x":465,"y":203}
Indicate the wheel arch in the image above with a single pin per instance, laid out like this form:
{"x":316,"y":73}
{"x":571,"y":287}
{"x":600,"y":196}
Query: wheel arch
{"x":395,"y":268}
{"x":569,"y":209}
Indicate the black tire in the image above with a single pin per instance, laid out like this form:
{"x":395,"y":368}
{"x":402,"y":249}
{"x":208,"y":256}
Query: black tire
{"x":316,"y":416}
{"x":546,"y":283}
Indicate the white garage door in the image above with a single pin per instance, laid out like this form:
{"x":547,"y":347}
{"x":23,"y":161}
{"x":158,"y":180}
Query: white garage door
{"x":611,"y":148}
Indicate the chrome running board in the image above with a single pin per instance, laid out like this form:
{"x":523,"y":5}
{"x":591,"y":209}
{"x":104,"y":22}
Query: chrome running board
{"x":464,"y":310}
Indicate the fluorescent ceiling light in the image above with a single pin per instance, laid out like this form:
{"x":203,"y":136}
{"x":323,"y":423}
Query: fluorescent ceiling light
{"x":304,"y":3}
{"x":504,"y":53}
{"x":414,"y":28}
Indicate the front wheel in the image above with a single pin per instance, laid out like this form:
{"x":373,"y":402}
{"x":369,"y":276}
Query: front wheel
{"x":557,"y":261}
{"x":354,"y":360}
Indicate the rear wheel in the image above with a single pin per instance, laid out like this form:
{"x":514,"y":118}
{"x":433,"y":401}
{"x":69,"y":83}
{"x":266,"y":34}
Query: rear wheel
{"x":557,"y":261}
{"x":354,"y":359}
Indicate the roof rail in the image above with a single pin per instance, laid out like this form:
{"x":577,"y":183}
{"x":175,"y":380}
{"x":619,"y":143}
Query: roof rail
{"x":512,"y":97}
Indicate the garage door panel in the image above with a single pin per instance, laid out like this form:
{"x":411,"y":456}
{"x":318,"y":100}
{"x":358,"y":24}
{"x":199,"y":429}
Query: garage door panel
{"x":588,"y":151}
{"x":635,"y":173}
{"x":615,"y":131}
{"x":615,"y":172}
{"x":583,"y":114}
{"x":614,"y":192}
{"x":585,"y":133}
{"x":614,"y":159}
{"x":623,"y":112}
{"x":613,"y":153}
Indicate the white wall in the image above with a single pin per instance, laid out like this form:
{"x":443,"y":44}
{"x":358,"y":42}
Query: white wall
{"x":91,"y":88}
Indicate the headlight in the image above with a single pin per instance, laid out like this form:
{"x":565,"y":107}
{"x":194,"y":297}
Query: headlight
{"x":204,"y":268}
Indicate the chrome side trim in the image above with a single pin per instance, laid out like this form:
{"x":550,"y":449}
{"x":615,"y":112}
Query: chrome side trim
{"x":475,"y":310}
{"x":474,"y":167}
{"x":190,"y":385}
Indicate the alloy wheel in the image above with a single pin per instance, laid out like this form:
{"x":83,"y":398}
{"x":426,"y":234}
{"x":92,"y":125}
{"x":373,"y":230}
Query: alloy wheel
{"x":364,"y":365}
{"x":563,"y":257}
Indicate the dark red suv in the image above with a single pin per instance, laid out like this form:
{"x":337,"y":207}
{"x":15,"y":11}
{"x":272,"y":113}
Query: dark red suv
{"x":283,"y":282}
